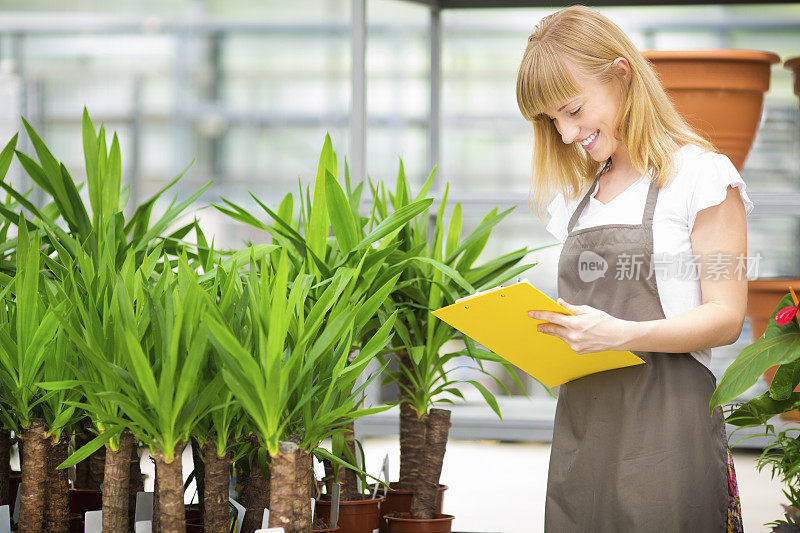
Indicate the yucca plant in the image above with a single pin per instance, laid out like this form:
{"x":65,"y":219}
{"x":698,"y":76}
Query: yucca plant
{"x":30,"y":345}
{"x":89,"y":253}
{"x":293,"y":375}
{"x":442,"y":272}
{"x":327,"y":233}
{"x":220,"y":433}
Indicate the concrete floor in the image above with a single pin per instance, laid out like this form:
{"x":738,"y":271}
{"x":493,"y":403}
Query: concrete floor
{"x":514,"y":476}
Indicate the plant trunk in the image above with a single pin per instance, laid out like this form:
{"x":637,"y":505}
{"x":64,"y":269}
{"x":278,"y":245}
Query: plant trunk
{"x":217,"y":480}
{"x":56,"y":517}
{"x":257,"y":494}
{"x":347,"y":476}
{"x":328,"y":479}
{"x":170,"y":492}
{"x":156,"y":527}
{"x":116,"y":487}
{"x":423,"y":503}
{"x":136,"y":482}
{"x":97,"y":466}
{"x":5,"y":467}
{"x":199,"y":474}
{"x":34,"y":478}
{"x":305,"y":481}
{"x":289,"y":506}
{"x":82,"y":473}
{"x":412,"y":430}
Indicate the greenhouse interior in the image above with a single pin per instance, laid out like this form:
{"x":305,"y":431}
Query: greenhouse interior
{"x":237,"y":237}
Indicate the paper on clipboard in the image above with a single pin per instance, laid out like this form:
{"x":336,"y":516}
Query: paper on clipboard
{"x":498,"y":319}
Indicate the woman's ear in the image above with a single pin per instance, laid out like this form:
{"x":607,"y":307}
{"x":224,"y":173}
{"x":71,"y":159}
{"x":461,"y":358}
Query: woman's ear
{"x":622,"y":66}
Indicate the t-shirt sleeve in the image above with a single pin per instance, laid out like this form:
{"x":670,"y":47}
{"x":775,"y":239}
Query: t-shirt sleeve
{"x":710,"y":187}
{"x":558,"y":218}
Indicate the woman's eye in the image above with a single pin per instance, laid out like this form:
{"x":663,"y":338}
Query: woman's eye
{"x":572,"y":114}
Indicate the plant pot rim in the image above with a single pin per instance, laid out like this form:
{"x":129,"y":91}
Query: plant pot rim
{"x":394,"y":490}
{"x":403,"y":517}
{"x":772,"y":283}
{"x":720,"y":54}
{"x":792,"y":63}
{"x":371,"y":501}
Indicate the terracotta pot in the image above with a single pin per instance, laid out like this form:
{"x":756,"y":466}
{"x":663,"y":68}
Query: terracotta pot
{"x":329,"y":530}
{"x":763,"y":296}
{"x":82,"y":500}
{"x":720,"y":93}
{"x":357,"y":516}
{"x":399,"y":501}
{"x":401,"y":523}
{"x":793,"y":64}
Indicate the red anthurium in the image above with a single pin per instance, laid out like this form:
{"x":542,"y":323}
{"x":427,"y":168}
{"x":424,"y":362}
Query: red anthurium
{"x":785,"y":315}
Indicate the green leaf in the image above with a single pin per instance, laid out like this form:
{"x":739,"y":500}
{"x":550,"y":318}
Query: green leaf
{"x":785,"y":381}
{"x":90,"y":447}
{"x":344,"y":227}
{"x":751,"y":363}
{"x":7,"y":155}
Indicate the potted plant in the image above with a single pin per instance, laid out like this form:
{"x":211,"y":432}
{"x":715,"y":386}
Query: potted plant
{"x":359,"y":243}
{"x":436,"y":274}
{"x":88,"y":258}
{"x":779,"y":345}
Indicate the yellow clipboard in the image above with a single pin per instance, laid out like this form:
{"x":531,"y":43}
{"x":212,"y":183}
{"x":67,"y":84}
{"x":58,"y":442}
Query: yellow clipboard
{"x":498,"y":319}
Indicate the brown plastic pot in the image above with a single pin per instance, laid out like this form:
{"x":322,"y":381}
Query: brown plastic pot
{"x":720,"y":93}
{"x":14,"y":481}
{"x":194,"y":527}
{"x":399,"y":501}
{"x":793,"y":64}
{"x":82,"y":500}
{"x":76,"y":524}
{"x":401,"y":523}
{"x":763,"y":295}
{"x":356,"y":516}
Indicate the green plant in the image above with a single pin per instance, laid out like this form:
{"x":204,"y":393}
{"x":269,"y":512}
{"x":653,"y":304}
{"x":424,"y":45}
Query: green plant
{"x":30,"y":344}
{"x":325,"y":233}
{"x":436,"y":272}
{"x":779,"y":345}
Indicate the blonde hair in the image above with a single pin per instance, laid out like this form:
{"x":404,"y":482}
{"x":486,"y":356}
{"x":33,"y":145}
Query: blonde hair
{"x":649,"y":126}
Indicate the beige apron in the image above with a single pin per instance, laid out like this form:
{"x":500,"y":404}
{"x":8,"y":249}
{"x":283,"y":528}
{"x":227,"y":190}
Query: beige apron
{"x":634,"y":449}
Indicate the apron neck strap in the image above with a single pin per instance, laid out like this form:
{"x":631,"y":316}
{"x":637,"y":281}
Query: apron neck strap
{"x":649,"y":206}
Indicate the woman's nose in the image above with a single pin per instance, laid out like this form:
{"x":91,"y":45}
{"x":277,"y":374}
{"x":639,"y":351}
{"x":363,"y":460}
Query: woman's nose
{"x":569,"y":133}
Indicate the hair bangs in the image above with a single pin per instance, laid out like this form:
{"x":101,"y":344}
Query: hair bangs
{"x":543,"y":81}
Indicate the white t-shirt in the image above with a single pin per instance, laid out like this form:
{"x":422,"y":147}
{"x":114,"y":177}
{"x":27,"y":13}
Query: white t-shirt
{"x":701,"y":181}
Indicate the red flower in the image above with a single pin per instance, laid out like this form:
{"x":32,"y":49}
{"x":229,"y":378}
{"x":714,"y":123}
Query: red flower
{"x":785,"y":315}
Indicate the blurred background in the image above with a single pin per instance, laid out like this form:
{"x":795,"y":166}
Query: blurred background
{"x":247,"y":89}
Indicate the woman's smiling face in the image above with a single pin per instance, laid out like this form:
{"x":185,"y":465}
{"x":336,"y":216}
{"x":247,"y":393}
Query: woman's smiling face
{"x":588,"y":118}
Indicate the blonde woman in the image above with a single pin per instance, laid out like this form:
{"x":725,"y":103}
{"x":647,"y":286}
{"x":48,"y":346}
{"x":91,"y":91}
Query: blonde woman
{"x":636,"y":191}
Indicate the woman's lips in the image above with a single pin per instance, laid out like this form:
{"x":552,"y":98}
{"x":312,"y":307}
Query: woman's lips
{"x":593,"y":143}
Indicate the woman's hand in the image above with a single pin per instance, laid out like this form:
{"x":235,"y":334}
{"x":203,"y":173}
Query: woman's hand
{"x":588,"y":330}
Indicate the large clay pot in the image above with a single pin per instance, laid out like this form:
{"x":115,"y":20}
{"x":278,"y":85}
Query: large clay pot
{"x":356,"y":516}
{"x":401,"y":523}
{"x":793,"y":64}
{"x":720,"y":93}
